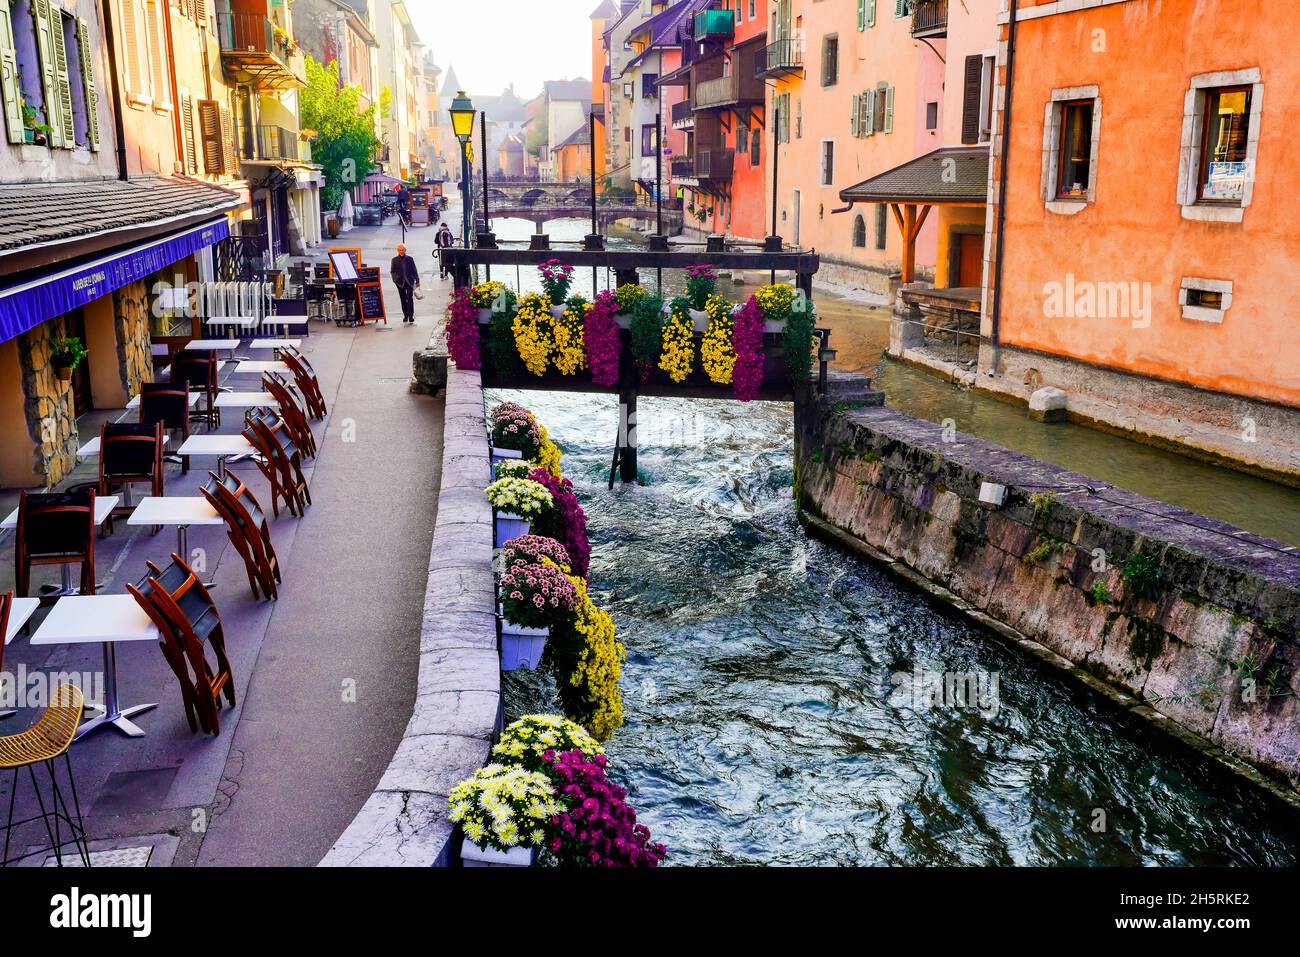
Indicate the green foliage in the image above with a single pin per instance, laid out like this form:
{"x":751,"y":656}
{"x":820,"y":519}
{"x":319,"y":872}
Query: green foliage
{"x":346,"y":141}
{"x":1048,"y":546}
{"x":499,"y":347}
{"x":1142,"y":576}
{"x":799,"y":343}
{"x":1042,"y":502}
{"x":538,"y":134}
{"x":1100,"y":592}
{"x":647,"y":329}
{"x":67,"y":353}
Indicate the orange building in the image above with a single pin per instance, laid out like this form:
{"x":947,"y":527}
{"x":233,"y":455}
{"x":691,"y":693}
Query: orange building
{"x":601,"y":18}
{"x":1143,"y":260}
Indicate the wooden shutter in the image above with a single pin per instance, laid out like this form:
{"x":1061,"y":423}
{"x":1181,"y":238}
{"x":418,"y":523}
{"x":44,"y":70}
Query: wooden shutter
{"x":187,"y":133}
{"x":49,"y":78}
{"x":228,"y":143}
{"x":862,"y":15}
{"x":869,"y":121}
{"x":88,"y":85}
{"x":871,"y":13}
{"x":201,"y":10}
{"x":9,"y":76}
{"x":135,"y":82}
{"x":214,"y":155}
{"x":889,"y":109}
{"x":970,"y":105}
{"x":853,"y":121}
{"x":62,"y":77}
{"x":155,"y":10}
{"x":900,"y":8}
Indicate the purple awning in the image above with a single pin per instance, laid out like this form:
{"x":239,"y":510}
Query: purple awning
{"x":30,"y":303}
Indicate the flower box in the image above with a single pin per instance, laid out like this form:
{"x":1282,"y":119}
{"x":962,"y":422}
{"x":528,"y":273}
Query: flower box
{"x":471,"y":855}
{"x":484,"y":316}
{"x":701,"y":319}
{"x":521,"y":647}
{"x":501,"y":455}
{"x":508,"y":526}
{"x":559,"y":311}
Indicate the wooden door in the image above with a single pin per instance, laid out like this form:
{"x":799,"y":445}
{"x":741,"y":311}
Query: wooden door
{"x":970,"y":260}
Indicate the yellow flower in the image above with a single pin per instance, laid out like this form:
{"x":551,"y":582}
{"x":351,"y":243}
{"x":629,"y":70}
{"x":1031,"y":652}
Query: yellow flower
{"x":570,"y":352}
{"x":716,"y":352}
{"x":548,"y":454}
{"x":599,"y":667}
{"x":534,"y":334}
{"x":678,"y":356}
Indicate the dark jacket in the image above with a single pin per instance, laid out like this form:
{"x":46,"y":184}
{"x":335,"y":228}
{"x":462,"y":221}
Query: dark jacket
{"x":405,"y":272}
{"x":444,"y":238}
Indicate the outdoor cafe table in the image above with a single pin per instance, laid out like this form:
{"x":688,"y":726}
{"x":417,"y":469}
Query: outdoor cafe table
{"x":135,"y":404}
{"x":258,"y":367}
{"x":104,"y":505}
{"x":222,"y":446}
{"x":91,"y":448}
{"x":275,"y":345}
{"x":106,"y":619}
{"x":181,"y":511}
{"x":246,"y":400}
{"x":213,"y":345}
{"x":20,"y":609}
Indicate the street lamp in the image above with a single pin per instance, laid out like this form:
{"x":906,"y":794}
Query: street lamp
{"x":462,"y":123}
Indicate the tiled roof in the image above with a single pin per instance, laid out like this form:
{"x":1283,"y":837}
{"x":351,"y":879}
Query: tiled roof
{"x":36,"y":213}
{"x":952,"y":174}
{"x":579,"y":89}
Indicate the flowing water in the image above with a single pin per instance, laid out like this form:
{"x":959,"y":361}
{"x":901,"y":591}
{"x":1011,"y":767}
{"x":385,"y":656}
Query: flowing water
{"x":765,"y":715}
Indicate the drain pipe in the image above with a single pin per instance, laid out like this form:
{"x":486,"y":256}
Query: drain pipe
{"x":119,"y":127}
{"x":1002,"y":192}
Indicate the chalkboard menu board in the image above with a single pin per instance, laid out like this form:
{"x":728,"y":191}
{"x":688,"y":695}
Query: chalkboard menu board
{"x":370,"y":302}
{"x":368,"y":274}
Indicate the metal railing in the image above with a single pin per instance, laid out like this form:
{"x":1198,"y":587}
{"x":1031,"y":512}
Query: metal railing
{"x":251,"y":33}
{"x":271,"y":143}
{"x":714,"y":24}
{"x":929,"y":17}
{"x":782,"y":58}
{"x":682,"y":166}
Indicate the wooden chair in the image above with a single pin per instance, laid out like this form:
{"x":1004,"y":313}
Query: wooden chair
{"x":43,"y":743}
{"x":168,"y":403}
{"x":199,"y":370}
{"x":305,"y":377}
{"x":292,"y":413}
{"x":130,"y":453}
{"x":55,"y":528}
{"x":189,"y":623}
{"x":274,"y":440}
{"x":248,"y":530}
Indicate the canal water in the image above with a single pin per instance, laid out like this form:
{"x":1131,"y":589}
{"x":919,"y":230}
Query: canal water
{"x":770,"y":713}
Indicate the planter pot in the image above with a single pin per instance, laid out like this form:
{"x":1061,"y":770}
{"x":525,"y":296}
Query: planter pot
{"x":701,"y":319}
{"x":29,"y":136}
{"x":64,"y":373}
{"x":521,"y":647}
{"x":773,"y":326}
{"x":471,"y":855}
{"x":484,"y":316}
{"x":558,"y":312}
{"x":332,"y":227}
{"x":509,"y":526}
{"x":501,"y":455}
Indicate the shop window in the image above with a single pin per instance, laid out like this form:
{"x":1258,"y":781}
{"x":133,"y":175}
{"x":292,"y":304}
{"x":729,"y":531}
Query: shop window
{"x":830,"y":60}
{"x":1220,"y":136}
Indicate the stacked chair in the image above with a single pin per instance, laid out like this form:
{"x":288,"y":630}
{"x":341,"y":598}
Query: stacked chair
{"x":168,"y":403}
{"x":131,"y":453}
{"x":55,"y":528}
{"x":280,"y":461}
{"x":247,"y":529}
{"x":305,"y":378}
{"x":188,"y":622}
{"x":292,"y":413}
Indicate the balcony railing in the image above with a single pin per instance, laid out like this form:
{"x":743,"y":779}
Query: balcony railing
{"x":782,"y":58}
{"x":255,"y":51}
{"x":682,"y":166}
{"x":270,"y":144}
{"x":714,"y":163}
{"x":728,"y":91}
{"x":929,"y":18}
{"x":683,"y":113}
{"x":714,"y":25}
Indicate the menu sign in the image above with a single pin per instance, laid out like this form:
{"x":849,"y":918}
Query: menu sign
{"x":352,"y":253}
{"x":370,"y":302}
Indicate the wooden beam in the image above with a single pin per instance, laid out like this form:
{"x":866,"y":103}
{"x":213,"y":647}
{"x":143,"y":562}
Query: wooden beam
{"x":909,"y":244}
{"x":916,"y":231}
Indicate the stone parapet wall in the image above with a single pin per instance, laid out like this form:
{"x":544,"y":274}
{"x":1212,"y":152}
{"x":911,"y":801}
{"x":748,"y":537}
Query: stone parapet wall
{"x":1189,"y":619}
{"x":458,"y":696}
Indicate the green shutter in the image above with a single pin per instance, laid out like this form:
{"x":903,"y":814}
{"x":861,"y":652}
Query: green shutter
{"x":9,"y":76}
{"x":870,"y":121}
{"x":862,"y":15}
{"x":889,"y":110}
{"x":871,"y":13}
{"x":49,"y":78}
{"x":88,"y":85}
{"x":900,"y":8}
{"x":62,"y":78}
{"x":853,"y":123}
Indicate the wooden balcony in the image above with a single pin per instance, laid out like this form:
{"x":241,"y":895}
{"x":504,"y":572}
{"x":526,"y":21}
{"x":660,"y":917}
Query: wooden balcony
{"x":255,"y":51}
{"x":714,"y":163}
{"x":683,"y":115}
{"x":682,"y":166}
{"x":735,"y":90}
{"x":929,"y":18}
{"x":782,"y":58}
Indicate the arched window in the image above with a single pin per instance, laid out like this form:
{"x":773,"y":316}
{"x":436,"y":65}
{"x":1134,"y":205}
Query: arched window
{"x":859,"y":232}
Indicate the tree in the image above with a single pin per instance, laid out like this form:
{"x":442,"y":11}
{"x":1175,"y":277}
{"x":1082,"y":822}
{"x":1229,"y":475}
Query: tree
{"x":346,"y":142}
{"x":537,"y":134}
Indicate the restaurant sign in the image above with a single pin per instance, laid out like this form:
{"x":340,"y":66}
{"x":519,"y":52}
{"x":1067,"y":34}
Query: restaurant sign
{"x":30,"y":303}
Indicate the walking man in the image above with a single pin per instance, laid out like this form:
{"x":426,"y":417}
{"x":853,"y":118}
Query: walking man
{"x":443,"y":239}
{"x":407,"y":278}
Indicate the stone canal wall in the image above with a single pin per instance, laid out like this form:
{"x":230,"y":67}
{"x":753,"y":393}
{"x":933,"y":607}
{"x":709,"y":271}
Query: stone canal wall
{"x":1192,"y":623}
{"x":458,"y":696}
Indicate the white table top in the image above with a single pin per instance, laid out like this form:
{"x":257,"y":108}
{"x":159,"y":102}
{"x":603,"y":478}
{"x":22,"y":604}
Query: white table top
{"x":270,"y":321}
{"x":86,"y":619}
{"x":91,"y":448}
{"x":274,"y":344}
{"x":231,"y":320}
{"x":212,"y":345}
{"x":178,"y":510}
{"x":135,"y":404}
{"x":245,"y":400}
{"x":19,"y":612}
{"x":220,"y":365}
{"x":258,"y":367}
{"x":216,"y":445}
{"x":104,"y":505}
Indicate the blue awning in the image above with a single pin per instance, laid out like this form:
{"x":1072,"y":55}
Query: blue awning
{"x":30,"y":303}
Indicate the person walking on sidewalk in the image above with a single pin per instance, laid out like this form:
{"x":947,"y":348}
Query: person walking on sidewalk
{"x":444,"y":240}
{"x":407,"y":277}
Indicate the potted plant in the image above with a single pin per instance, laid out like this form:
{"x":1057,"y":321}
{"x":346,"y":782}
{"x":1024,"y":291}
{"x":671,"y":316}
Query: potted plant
{"x":35,"y":131}
{"x":516,"y":503}
{"x":557,"y":277}
{"x":596,"y":826}
{"x":503,"y":812}
{"x":488,"y":296}
{"x":65,"y":355}
{"x":535,"y":596}
{"x":525,"y":743}
{"x":514,"y":429}
{"x":701,"y":283}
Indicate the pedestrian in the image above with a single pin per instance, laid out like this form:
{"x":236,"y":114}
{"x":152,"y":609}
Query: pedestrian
{"x":407,"y":277}
{"x":444,"y":240}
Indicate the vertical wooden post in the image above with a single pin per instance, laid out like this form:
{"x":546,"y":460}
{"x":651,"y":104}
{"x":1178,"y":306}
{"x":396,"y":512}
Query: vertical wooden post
{"x":909,"y":243}
{"x":627,"y":432}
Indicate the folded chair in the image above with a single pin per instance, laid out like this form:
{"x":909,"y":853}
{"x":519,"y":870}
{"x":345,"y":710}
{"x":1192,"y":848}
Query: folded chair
{"x":199,"y":370}
{"x":305,"y":377}
{"x":292,"y":413}
{"x":55,"y":528}
{"x":188,"y":622}
{"x":247,"y":529}
{"x":168,"y":403}
{"x":130,"y":453}
{"x":270,"y":435}
{"x":44,"y":743}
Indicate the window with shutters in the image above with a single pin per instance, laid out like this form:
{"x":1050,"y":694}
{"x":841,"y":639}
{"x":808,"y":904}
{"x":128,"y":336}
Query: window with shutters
{"x":73,"y":55}
{"x":828,"y":163}
{"x":210,"y":137}
{"x":20,"y":69}
{"x":977,"y":99}
{"x":191,"y":159}
{"x":155,"y":11}
{"x":90,"y":95}
{"x":882,"y":227}
{"x":132,"y":17}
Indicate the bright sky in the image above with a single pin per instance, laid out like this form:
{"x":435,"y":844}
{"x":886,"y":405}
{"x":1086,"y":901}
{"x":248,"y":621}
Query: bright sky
{"x":493,"y":43}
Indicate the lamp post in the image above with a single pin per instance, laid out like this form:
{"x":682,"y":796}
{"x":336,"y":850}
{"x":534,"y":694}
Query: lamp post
{"x":462,"y":123}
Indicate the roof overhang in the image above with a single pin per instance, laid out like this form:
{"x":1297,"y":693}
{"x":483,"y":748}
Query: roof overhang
{"x":948,"y":176}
